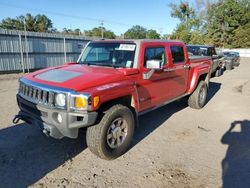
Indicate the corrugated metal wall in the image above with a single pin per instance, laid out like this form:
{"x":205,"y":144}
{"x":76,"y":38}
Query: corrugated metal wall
{"x":41,"y":50}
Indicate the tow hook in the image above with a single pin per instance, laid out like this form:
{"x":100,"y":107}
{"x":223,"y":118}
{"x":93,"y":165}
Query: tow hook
{"x":46,"y":132}
{"x":19,"y":117}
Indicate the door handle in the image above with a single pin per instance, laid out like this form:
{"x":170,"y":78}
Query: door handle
{"x":168,"y":70}
{"x":186,"y":66}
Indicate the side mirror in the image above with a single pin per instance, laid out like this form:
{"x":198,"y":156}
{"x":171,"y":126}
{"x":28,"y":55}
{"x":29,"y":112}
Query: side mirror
{"x":154,"y":64}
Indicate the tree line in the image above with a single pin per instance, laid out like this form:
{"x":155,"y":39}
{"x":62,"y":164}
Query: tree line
{"x":41,"y":23}
{"x":223,"y":23}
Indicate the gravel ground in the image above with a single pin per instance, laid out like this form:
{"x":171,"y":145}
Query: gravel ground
{"x":175,"y":146}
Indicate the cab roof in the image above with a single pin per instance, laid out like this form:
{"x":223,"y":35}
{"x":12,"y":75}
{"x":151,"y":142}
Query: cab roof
{"x":138,"y":40}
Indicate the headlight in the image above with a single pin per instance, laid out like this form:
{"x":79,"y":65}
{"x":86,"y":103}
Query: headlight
{"x":60,"y":100}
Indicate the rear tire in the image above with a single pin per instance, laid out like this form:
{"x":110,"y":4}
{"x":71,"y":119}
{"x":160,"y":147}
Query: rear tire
{"x":218,"y":72}
{"x":113,"y":135}
{"x":229,"y":65}
{"x":198,"y":98}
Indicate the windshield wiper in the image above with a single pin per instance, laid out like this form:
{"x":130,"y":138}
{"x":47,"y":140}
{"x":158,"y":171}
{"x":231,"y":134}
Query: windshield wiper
{"x":106,"y":65}
{"x":98,"y":64}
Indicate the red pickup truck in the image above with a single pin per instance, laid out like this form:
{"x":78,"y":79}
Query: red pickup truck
{"x":111,"y":84}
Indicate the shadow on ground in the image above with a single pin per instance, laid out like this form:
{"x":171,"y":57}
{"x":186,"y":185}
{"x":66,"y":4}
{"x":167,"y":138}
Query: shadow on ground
{"x":236,"y":164}
{"x":152,"y":120}
{"x":214,"y":87}
{"x":27,"y":155}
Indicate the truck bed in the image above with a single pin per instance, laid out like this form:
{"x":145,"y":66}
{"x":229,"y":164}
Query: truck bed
{"x":198,"y":59}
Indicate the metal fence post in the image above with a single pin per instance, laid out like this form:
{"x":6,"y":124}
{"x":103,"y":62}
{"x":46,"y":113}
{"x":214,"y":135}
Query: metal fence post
{"x":21,"y":51}
{"x":64,"y":49}
{"x":26,"y":49}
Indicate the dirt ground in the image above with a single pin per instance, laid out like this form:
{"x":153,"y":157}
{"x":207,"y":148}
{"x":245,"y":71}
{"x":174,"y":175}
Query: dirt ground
{"x":175,"y":146}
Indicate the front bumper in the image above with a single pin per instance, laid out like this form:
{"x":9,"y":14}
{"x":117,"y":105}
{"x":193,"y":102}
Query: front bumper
{"x":47,"y":119}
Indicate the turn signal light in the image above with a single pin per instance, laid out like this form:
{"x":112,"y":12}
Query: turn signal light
{"x":96,"y":101}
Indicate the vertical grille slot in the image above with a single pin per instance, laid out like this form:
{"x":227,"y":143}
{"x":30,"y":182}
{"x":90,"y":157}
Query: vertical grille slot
{"x":39,"y":95}
{"x":45,"y":97}
{"x":51,"y":98}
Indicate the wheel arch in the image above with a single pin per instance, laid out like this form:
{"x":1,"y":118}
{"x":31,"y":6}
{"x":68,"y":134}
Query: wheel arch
{"x":127,"y":100}
{"x":196,"y":79}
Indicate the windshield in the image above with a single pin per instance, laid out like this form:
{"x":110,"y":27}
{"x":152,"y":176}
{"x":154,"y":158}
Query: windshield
{"x":111,"y":54}
{"x":229,"y":54}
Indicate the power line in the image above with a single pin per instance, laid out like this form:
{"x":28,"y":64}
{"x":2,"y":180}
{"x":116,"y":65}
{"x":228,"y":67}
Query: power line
{"x":98,"y":20}
{"x":66,"y":15}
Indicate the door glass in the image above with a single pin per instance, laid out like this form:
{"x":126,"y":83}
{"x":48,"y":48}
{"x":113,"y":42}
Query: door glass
{"x":155,"y":53}
{"x":177,"y":54}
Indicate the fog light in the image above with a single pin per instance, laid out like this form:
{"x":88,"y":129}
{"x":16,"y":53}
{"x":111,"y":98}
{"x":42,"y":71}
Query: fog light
{"x":59,"y":118}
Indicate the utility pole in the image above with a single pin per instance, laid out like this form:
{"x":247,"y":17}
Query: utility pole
{"x":161,"y":32}
{"x":21,"y":51}
{"x":102,"y":23}
{"x":26,"y":45}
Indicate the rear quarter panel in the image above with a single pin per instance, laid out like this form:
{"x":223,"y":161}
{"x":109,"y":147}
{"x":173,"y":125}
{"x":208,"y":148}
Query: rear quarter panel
{"x":199,"y":66}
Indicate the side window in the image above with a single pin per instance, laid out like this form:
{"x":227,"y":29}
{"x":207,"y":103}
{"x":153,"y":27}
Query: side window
{"x":155,"y":53}
{"x":177,"y":54}
{"x":213,"y":51}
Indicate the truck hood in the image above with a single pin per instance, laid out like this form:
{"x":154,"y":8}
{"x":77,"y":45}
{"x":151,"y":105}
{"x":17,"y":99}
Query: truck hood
{"x":77,"y":77}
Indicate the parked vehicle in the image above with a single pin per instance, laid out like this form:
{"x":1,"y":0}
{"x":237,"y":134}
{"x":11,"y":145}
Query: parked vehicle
{"x":111,"y":84}
{"x":220,"y":53}
{"x":203,"y":50}
{"x":232,"y":59}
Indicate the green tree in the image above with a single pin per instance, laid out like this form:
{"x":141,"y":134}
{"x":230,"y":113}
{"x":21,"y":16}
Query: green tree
{"x":72,"y":32}
{"x":42,"y":23}
{"x":136,"y":32}
{"x":152,"y":34}
{"x":39,"y":23}
{"x":190,"y":22}
{"x":241,"y":38}
{"x":182,"y":32}
{"x":197,"y":38}
{"x":97,"y":32}
{"x":186,"y":14}
{"x":227,"y":18}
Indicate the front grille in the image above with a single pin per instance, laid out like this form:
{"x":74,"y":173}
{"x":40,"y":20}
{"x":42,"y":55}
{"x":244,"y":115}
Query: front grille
{"x":36,"y":95}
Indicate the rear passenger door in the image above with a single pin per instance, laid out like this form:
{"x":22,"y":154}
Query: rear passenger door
{"x":179,"y":69}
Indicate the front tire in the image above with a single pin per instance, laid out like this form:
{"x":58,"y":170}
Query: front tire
{"x":198,"y":98}
{"x":113,"y":135}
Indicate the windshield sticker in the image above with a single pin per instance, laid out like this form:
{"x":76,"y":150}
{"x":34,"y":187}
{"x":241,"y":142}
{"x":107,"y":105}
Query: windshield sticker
{"x":128,"y":64}
{"x":127,"y":47}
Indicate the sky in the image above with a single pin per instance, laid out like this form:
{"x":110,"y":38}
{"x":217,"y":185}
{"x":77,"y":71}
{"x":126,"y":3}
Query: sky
{"x":117,"y":15}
